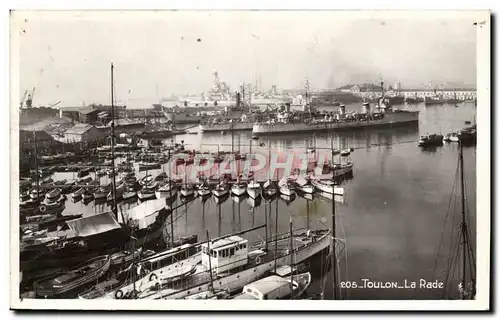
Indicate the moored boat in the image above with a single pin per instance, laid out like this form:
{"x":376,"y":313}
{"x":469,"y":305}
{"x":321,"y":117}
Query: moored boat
{"x":253,"y":189}
{"x":276,"y":287}
{"x":239,"y":188}
{"x":328,"y":187}
{"x":147,"y":191}
{"x":73,"y":279}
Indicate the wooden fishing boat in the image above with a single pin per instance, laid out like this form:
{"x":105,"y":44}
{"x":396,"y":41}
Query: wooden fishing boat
{"x":124,"y":257}
{"x":204,"y":190}
{"x":73,"y":279}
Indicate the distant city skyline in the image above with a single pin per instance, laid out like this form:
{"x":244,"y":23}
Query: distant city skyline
{"x":67,"y":55}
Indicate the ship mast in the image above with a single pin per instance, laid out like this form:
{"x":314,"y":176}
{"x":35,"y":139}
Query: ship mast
{"x":334,"y":258}
{"x":464,"y":294}
{"x":115,"y":211}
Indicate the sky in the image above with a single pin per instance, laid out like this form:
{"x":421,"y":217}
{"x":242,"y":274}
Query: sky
{"x":67,"y":55}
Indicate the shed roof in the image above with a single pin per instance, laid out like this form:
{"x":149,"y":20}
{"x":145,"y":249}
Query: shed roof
{"x":79,"y":129}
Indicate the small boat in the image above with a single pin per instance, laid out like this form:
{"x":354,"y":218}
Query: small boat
{"x":87,"y":195}
{"x":129,"y":193}
{"x":345,"y":152}
{"x":431,"y":140}
{"x":84,"y":180}
{"x":204,"y":190}
{"x":148,"y":165}
{"x":73,"y":279}
{"x":78,"y":193}
{"x":239,"y":188}
{"x":53,"y":194}
{"x":328,"y":187}
{"x":145,"y":180}
{"x":166,"y":190}
{"x":269,"y":188}
{"x":123,"y":257}
{"x":275,"y":287}
{"x":222,"y":189}
{"x":37,"y":193}
{"x":101,"y":193}
{"x":253,"y":189}
{"x":303,"y":186}
{"x":147,"y":192}
{"x":187,"y":190}
{"x":284,"y":188}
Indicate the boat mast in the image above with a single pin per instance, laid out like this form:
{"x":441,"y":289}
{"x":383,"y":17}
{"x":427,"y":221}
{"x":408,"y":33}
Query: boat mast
{"x":36,"y":168}
{"x":463,"y":225}
{"x":334,"y":258}
{"x":210,"y":264}
{"x":169,"y":181}
{"x":291,"y":257}
{"x":115,"y":211}
{"x":276,"y":238}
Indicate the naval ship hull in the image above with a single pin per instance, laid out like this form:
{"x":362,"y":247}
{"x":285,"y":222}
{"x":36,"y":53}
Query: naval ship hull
{"x":226,"y":127}
{"x":390,"y":119}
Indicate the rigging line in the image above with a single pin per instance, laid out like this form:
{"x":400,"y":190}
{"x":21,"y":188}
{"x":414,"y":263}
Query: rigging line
{"x":444,"y":224}
{"x":345,"y":252}
{"x":447,"y":277}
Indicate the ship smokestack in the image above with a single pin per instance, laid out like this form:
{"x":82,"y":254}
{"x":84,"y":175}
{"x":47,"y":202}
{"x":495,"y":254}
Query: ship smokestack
{"x":366,"y":108}
{"x":342,"y":109}
{"x":238,"y":99}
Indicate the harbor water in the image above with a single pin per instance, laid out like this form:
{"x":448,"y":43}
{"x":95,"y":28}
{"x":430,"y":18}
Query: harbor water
{"x":390,"y":219}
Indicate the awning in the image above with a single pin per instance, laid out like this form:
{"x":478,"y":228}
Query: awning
{"x":93,"y":225}
{"x":144,"y":214}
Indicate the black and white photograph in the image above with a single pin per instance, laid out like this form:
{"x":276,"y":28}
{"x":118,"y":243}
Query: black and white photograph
{"x":320,"y":155}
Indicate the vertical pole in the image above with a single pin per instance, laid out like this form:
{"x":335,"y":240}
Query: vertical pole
{"x":334,"y":258}
{"x":113,"y":191}
{"x":36,"y":168}
{"x":276,"y":237}
{"x":210,"y":263}
{"x":265,"y":217}
{"x":463,"y":224}
{"x":291,"y":257}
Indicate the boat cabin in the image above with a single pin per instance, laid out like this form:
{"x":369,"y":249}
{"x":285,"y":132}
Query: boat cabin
{"x":225,"y":254}
{"x":270,"y":288}
{"x":170,"y":256}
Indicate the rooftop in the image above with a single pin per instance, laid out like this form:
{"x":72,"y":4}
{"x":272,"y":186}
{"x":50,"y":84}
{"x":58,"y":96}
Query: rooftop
{"x":79,"y":129}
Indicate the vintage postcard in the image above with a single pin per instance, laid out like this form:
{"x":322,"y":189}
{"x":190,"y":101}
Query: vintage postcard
{"x":259,"y":156}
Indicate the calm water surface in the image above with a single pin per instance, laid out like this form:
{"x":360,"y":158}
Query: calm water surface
{"x":391,"y":216}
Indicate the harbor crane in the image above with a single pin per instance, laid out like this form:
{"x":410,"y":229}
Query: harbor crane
{"x":29,"y":100}
{"x":23,"y":98}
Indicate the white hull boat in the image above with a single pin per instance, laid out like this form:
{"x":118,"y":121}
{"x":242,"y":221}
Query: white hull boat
{"x":253,"y":189}
{"x":329,"y":187}
{"x":238,"y":189}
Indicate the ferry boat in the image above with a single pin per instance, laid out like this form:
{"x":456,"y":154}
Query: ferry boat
{"x":233,"y":263}
{"x":383,"y":116}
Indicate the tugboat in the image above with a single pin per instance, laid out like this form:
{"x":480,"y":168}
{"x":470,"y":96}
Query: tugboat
{"x":432,"y":140}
